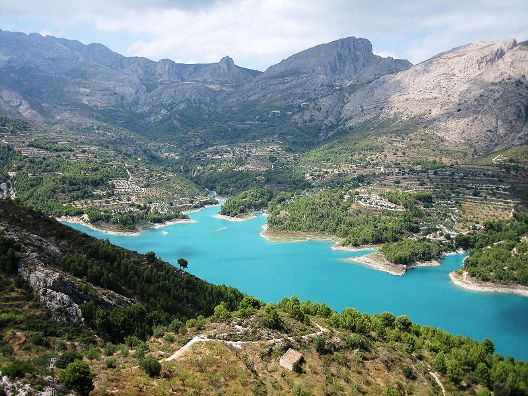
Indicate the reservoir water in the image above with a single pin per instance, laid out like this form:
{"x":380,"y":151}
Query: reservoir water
{"x":234,"y":253}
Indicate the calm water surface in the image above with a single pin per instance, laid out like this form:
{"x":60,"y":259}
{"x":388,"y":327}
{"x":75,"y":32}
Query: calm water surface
{"x":233,"y":253}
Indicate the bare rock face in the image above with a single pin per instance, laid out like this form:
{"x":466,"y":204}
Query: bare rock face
{"x":350,"y":58}
{"x":319,"y":71}
{"x":49,"y":287}
{"x":16,"y":387}
{"x":13,"y":103}
{"x":59,"y":293}
{"x":476,"y":94}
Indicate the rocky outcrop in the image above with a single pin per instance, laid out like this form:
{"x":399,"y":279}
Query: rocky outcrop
{"x":59,"y":293}
{"x":22,"y":387}
{"x":7,"y":190}
{"x":53,"y":291}
{"x":349,"y":58}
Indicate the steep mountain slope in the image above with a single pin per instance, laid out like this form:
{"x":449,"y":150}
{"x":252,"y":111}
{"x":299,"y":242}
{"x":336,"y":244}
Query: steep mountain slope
{"x":48,"y":77}
{"x":476,"y":94}
{"x":77,"y":277}
{"x":349,"y":58}
{"x":323,"y":69}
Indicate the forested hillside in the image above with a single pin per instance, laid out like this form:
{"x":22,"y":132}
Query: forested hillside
{"x":332,"y":213}
{"x":107,"y":178}
{"x":499,"y":253}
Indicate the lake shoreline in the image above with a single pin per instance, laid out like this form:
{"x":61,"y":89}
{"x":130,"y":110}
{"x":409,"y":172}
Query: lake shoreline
{"x":316,"y":272}
{"x":234,"y":219}
{"x":79,"y":220}
{"x":299,"y":236}
{"x":378,"y":262}
{"x":186,"y":212}
{"x":374,"y":260}
{"x":462,"y":279}
{"x":153,"y":226}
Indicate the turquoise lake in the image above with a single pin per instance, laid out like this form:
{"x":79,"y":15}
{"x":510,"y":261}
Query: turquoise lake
{"x":234,"y":253}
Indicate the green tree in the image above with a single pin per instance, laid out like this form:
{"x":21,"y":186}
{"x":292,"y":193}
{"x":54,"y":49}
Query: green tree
{"x":482,"y":372}
{"x":77,"y":376}
{"x":151,"y":256}
{"x":272,"y":318}
{"x":454,"y":371}
{"x":320,"y":345}
{"x":67,"y":357}
{"x":221,"y":312}
{"x":488,"y":345}
{"x":440,"y":362}
{"x":183,"y":263}
{"x":8,"y":258}
{"x":403,"y":323}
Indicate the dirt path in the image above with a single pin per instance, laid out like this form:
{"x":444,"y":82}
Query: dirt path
{"x":437,"y":379}
{"x":187,"y":346}
{"x":235,"y":344}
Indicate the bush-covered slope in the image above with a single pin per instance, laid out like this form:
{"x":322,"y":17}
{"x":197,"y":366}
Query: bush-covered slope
{"x":499,"y":252}
{"x":148,"y":290}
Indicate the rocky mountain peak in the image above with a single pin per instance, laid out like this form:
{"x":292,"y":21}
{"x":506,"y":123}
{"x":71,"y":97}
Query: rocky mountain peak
{"x":472,"y":58}
{"x":476,"y":93}
{"x":226,"y":64}
{"x":343,"y":58}
{"x":227,"y":60}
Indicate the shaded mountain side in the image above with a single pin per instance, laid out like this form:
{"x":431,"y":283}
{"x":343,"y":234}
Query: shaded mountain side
{"x":58,"y":56}
{"x":64,"y":80}
{"x":78,"y":278}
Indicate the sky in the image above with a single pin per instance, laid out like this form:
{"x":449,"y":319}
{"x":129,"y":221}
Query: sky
{"x":260,"y":33}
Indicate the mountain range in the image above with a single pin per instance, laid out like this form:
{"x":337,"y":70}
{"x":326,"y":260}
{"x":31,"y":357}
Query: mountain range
{"x":475,"y":95}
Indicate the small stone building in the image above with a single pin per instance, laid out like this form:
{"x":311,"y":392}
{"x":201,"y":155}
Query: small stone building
{"x":290,"y":359}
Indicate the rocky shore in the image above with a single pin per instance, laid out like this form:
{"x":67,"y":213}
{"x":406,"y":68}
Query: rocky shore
{"x":236,"y":219}
{"x":378,"y":262}
{"x":83,"y":221}
{"x":462,"y":278}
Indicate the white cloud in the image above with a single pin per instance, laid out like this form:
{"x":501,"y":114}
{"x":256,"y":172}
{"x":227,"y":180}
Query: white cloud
{"x":258,"y":33}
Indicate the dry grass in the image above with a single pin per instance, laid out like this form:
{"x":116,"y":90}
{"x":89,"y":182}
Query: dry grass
{"x":480,"y":212}
{"x":214,"y":368}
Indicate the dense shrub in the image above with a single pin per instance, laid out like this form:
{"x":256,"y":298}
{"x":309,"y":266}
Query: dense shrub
{"x":150,"y":366}
{"x":67,"y":357}
{"x":110,"y":363}
{"x":77,"y":376}
{"x":16,"y":369}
